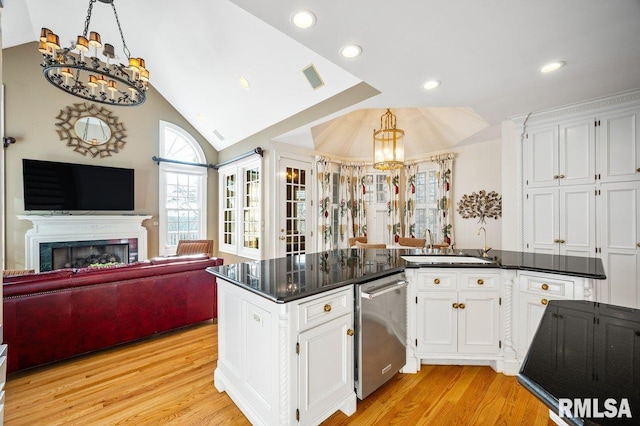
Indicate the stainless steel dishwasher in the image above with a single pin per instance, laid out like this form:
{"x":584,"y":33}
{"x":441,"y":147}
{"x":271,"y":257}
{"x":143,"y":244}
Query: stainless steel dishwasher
{"x":381,"y":332}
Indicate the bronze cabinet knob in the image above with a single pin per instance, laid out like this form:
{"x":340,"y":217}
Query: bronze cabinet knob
{"x":545,"y":286}
{"x":480,"y":281}
{"x":461,"y":306}
{"x":455,"y":306}
{"x":350,"y":332}
{"x":327,"y":308}
{"x":544,"y":301}
{"x":436,"y":281}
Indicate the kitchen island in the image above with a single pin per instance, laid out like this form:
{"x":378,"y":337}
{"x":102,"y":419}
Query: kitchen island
{"x":286,"y":326}
{"x":584,"y":363}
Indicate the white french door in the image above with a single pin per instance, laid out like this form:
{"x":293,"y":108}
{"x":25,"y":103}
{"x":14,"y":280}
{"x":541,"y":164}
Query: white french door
{"x":294,"y":207}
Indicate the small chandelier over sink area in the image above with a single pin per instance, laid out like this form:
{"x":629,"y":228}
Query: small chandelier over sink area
{"x":388,"y":144}
{"x":79,"y":71}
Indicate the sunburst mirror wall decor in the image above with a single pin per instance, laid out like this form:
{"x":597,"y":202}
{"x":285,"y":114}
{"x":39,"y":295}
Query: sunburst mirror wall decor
{"x":481,"y":205}
{"x":91,"y":129}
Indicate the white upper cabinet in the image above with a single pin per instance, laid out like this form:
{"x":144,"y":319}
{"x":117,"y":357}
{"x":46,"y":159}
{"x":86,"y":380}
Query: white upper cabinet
{"x":619,"y":243}
{"x":561,"y":220}
{"x":581,"y":171}
{"x":576,"y":152}
{"x":542,"y":157}
{"x":619,"y":143}
{"x":560,"y":154}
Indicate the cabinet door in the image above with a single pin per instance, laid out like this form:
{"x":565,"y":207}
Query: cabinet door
{"x":561,"y":220}
{"x":619,"y":236}
{"x":577,"y":233}
{"x":619,"y":146}
{"x":478,"y":322}
{"x":575,"y":355}
{"x":325,"y":367}
{"x":577,"y":153}
{"x":437,"y":326}
{"x":564,"y":348}
{"x":615,"y":367}
{"x":542,"y":221}
{"x":541,"y":153}
{"x":530,"y":311}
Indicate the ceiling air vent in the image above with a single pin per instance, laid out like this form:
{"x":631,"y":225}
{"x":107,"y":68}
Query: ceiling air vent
{"x":218,"y":134}
{"x":313,"y":77}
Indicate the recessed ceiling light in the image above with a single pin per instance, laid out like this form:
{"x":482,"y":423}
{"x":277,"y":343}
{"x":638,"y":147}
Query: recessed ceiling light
{"x":244,"y":82}
{"x":551,"y":67}
{"x":303,"y":19}
{"x":431,"y":84}
{"x":351,"y":51}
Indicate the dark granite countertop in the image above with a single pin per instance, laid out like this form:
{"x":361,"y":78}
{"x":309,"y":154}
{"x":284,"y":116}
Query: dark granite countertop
{"x":294,"y":277}
{"x":586,"y":350}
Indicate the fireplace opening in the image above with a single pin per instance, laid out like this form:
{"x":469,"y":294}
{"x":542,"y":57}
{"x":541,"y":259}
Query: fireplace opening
{"x":82,"y":254}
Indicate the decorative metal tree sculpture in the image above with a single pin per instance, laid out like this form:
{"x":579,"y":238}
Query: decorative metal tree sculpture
{"x":482,"y":205}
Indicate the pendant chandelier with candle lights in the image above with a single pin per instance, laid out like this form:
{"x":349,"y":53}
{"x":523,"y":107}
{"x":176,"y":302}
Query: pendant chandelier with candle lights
{"x":388,"y":144}
{"x":78,"y":69}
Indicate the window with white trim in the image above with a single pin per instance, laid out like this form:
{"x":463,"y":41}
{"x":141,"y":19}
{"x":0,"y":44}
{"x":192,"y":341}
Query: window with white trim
{"x":241,"y":207}
{"x":426,"y":207}
{"x":183,"y":189}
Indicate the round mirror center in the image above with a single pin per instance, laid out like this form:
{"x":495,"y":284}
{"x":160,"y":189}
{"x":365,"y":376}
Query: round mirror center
{"x":92,"y":130}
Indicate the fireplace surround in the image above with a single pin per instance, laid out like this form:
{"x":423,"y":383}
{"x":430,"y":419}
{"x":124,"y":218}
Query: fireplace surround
{"x":88,"y":231}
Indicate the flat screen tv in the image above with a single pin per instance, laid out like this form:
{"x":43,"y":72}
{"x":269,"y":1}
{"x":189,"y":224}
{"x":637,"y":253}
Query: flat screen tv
{"x":64,"y":186}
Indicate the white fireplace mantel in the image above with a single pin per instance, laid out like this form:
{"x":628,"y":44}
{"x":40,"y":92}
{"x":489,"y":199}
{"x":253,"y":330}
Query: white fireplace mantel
{"x":64,"y":228}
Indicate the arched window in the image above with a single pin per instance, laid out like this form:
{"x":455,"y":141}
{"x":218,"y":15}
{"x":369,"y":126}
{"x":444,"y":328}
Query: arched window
{"x":183,"y":189}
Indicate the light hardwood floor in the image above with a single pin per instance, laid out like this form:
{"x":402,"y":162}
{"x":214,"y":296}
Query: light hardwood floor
{"x":169,"y":380}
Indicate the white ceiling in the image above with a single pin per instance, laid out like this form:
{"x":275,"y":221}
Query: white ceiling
{"x":485,"y":53}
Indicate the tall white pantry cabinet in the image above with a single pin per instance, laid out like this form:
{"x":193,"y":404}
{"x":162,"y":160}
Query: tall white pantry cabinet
{"x":581,"y":188}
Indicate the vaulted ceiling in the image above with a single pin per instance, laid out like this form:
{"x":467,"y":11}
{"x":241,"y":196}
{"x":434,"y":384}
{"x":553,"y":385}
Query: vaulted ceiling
{"x":485,"y":54}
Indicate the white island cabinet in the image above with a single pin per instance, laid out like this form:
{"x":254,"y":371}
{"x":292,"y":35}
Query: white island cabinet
{"x":454,"y":316}
{"x":468,"y":316}
{"x":286,"y":363}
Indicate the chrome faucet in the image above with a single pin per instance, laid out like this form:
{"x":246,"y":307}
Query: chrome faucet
{"x":428,"y":231}
{"x":485,"y":248}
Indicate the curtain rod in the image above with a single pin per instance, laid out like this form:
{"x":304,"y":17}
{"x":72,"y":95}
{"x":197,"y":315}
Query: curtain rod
{"x":447,"y":156}
{"x":187,"y":163}
{"x":257,"y":150}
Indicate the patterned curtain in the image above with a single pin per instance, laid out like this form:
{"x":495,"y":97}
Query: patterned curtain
{"x":410,"y":200}
{"x":359,"y":206}
{"x":445,"y":191}
{"x":393,"y":206}
{"x":345,"y":218}
{"x":324,"y":221}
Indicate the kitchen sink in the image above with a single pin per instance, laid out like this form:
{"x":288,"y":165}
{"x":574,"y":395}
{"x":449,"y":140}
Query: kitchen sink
{"x":443,"y":259}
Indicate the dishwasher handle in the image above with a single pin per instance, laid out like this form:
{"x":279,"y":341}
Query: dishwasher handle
{"x":384,"y":290}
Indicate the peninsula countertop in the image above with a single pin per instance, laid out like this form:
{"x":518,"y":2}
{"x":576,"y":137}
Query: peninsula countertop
{"x":290,"y":278}
{"x":586,"y":353}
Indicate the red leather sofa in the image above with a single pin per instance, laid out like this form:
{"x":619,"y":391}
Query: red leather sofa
{"x":56,"y":315}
